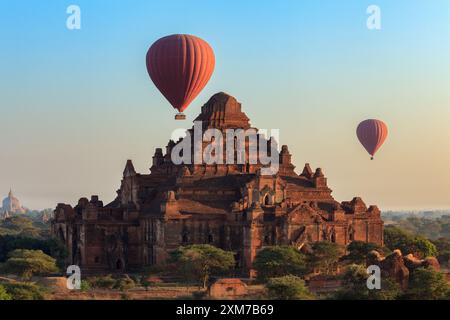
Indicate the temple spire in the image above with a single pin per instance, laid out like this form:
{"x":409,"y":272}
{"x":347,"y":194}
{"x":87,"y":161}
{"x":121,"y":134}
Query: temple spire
{"x":129,"y":169}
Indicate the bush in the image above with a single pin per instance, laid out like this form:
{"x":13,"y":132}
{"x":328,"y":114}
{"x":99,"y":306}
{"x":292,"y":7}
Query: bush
{"x":200,"y":262}
{"x":279,"y":261}
{"x":3,"y":294}
{"x":109,"y":282}
{"x":443,"y":247}
{"x":354,"y":286}
{"x":24,"y":291}
{"x":359,"y":250}
{"x":288,"y":288}
{"x":85,"y":286}
{"x":396,"y":238}
{"x":27,"y":263}
{"x":325,"y":256}
{"x":52,"y":247}
{"x":102,"y":282}
{"x":124,"y":284}
{"x":427,"y":284}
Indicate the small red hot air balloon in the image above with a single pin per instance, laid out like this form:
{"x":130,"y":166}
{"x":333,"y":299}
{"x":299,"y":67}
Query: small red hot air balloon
{"x":372,"y":133}
{"x":180,"y":66}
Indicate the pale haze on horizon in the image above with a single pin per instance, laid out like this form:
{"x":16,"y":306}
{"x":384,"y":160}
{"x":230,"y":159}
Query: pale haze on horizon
{"x":76,"y":104}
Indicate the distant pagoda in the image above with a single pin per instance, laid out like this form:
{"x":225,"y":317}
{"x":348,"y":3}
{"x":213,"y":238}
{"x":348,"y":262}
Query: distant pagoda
{"x":11,"y":205}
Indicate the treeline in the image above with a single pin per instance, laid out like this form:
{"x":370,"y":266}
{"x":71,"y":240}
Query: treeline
{"x":51,"y":247}
{"x":25,"y":226}
{"x":428,"y":227}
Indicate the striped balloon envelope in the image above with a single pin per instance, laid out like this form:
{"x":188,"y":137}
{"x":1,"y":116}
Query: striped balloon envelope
{"x":180,"y":66}
{"x":372,"y":133}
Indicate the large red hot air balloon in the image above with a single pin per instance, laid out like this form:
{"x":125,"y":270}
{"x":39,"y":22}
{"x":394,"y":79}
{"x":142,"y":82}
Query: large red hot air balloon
{"x":372,"y":133}
{"x":180,"y":66}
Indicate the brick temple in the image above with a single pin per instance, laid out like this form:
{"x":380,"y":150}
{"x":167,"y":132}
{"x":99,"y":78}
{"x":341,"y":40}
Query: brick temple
{"x":231,"y":206}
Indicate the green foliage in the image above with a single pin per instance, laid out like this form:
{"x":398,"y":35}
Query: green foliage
{"x":24,"y":291}
{"x":325,"y":256}
{"x":396,"y":238}
{"x":427,"y":284}
{"x":124,"y":284}
{"x":288,"y":288}
{"x":354,"y":286}
{"x":200,"y":262}
{"x":359,"y":250}
{"x":431,"y":228}
{"x":21,"y":225}
{"x":4,"y":295}
{"x":423,"y":247}
{"x":279,"y":261}
{"x":102,"y":282}
{"x":52,"y":247}
{"x":121,"y":283}
{"x":27,"y":263}
{"x":85,"y":286}
{"x":443,"y":247}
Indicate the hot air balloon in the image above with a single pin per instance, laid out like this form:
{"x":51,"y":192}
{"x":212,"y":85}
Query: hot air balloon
{"x":180,"y":66}
{"x":372,"y":133}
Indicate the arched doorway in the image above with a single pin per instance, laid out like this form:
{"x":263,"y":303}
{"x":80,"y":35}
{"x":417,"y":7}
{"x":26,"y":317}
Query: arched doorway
{"x":267,"y":200}
{"x":119,"y":264}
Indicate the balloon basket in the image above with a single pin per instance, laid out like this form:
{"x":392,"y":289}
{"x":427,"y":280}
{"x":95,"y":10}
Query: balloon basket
{"x":371,"y":158}
{"x":180,"y":116}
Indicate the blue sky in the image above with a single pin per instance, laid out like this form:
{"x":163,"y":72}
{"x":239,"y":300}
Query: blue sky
{"x":75,"y":104}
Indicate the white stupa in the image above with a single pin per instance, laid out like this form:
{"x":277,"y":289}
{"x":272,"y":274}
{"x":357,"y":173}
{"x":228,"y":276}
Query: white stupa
{"x":11,"y":205}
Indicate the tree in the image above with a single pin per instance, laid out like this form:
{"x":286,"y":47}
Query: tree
{"x":396,"y":238}
{"x":27,"y":263}
{"x":124,"y":283}
{"x":431,"y":227}
{"x":24,"y":291}
{"x":325,"y":256}
{"x":85,"y":286}
{"x":354,"y":286}
{"x":427,"y":284}
{"x":288,"y":288}
{"x":200,"y":262}
{"x":358,"y":251}
{"x":52,"y":247}
{"x":19,"y":225}
{"x":3,"y":294}
{"x":423,"y":247}
{"x":443,"y":247}
{"x":279,"y":261}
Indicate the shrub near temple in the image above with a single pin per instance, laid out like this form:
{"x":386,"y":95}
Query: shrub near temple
{"x":288,"y":288}
{"x":427,"y":284}
{"x":325,"y":256}
{"x":279,"y":261}
{"x":396,"y":238}
{"x":200,"y":262}
{"x":26,"y":263}
{"x":354,"y":286}
{"x":24,"y":291}
{"x":3,"y":294}
{"x":51,"y":247}
{"x":359,"y":250}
